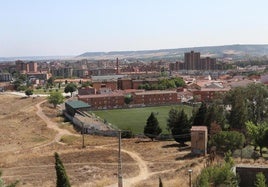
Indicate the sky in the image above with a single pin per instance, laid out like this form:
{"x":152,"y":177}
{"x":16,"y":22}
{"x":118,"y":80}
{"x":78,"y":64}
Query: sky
{"x":72,"y":27}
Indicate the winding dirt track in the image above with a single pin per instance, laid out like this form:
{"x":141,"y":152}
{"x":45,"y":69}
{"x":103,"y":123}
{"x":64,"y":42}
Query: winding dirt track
{"x":52,"y":125}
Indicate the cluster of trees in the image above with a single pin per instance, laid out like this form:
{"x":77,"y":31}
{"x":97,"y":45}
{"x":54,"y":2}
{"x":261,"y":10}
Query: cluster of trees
{"x":164,"y":84}
{"x":20,"y":82}
{"x":222,"y":175}
{"x":238,"y":114}
{"x":258,"y":134}
{"x":56,"y":98}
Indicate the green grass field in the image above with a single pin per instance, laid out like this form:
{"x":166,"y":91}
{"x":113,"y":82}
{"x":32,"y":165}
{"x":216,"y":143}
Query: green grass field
{"x":41,"y":90}
{"x":135,"y":118}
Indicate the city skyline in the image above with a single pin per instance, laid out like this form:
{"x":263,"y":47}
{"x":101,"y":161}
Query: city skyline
{"x":48,"y":28}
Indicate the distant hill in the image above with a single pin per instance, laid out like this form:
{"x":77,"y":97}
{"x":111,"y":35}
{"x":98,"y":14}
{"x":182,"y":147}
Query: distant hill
{"x":233,"y":51}
{"x":34,"y":58}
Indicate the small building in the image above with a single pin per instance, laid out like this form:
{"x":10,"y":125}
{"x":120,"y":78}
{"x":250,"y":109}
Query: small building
{"x":199,"y":138}
{"x":247,"y":174}
{"x":73,"y":107}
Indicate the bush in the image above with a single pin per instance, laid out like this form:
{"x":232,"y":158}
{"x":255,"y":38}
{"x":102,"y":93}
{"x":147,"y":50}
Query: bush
{"x":127,"y":134}
{"x":228,"y":140}
{"x":218,"y":175}
{"x":38,"y":87}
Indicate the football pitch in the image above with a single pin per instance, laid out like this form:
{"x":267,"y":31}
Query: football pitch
{"x":134,"y":119}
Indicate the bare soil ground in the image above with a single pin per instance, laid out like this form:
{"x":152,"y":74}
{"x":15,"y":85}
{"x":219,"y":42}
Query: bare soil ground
{"x":27,"y":147}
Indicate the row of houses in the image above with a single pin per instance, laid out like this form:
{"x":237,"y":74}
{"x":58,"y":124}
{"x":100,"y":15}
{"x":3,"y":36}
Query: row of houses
{"x":111,"y":93}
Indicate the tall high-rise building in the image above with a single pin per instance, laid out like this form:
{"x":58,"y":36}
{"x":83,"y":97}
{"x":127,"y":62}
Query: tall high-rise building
{"x":22,"y":67}
{"x":192,"y":60}
{"x":208,"y":63}
{"x":32,"y":66}
{"x":26,"y":67}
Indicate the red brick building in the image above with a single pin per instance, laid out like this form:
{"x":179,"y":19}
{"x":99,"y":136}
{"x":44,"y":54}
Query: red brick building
{"x":124,"y":83}
{"x":207,"y":94}
{"x":86,"y":90}
{"x":140,"y":98}
{"x":105,"y":84}
{"x":104,"y":101}
{"x":149,"y":98}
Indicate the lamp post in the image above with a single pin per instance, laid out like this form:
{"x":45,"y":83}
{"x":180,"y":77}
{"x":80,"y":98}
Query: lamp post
{"x":190,"y":177}
{"x":83,"y":134}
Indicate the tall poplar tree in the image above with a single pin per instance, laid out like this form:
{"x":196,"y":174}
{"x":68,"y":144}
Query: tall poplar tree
{"x":62,"y":178}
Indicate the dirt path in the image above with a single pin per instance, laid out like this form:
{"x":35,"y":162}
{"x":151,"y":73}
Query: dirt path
{"x":143,"y":173}
{"x":52,"y":125}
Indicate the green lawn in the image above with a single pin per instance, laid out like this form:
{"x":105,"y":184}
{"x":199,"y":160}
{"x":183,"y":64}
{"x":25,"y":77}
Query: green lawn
{"x":44,"y":91}
{"x":135,"y":118}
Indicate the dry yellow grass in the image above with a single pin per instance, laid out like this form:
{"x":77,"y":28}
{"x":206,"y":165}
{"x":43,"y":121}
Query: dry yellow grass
{"x":27,"y":148}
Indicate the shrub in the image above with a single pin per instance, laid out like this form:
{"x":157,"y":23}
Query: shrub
{"x":228,"y":140}
{"x":127,"y":134}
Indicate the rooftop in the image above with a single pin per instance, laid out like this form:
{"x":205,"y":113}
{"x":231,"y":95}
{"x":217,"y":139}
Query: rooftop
{"x":199,"y":128}
{"x":77,"y":104}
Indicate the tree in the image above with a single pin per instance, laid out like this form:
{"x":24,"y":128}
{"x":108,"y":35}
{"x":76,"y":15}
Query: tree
{"x":55,"y":98}
{"x":29,"y":92}
{"x":160,"y":182}
{"x":62,"y":178}
{"x":248,"y":103}
{"x":152,"y":129}
{"x":200,"y":116}
{"x":227,"y":140}
{"x":238,"y":115}
{"x":50,"y":81}
{"x":181,"y":129}
{"x":172,"y":119}
{"x":256,"y":95}
{"x":128,"y":98}
{"x":218,"y":175}
{"x":214,"y":129}
{"x":258,"y":134}
{"x":87,"y":83}
{"x":71,"y":87}
{"x":260,"y":180}
{"x":179,"y":82}
{"x":215,"y":114}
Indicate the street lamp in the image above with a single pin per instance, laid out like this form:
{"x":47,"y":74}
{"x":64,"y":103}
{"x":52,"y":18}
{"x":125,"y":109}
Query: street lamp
{"x":190,"y":177}
{"x":83,"y":134}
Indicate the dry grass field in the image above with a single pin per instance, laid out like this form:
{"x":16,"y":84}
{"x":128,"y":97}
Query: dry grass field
{"x":28,"y":143}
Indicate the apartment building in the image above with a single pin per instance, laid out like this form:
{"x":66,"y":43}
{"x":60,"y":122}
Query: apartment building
{"x":192,"y":60}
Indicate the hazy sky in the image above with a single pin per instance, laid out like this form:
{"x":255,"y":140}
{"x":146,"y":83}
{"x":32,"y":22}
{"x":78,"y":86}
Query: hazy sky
{"x":72,"y":27}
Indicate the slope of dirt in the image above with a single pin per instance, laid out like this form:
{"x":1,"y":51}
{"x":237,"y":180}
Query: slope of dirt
{"x":32,"y":133}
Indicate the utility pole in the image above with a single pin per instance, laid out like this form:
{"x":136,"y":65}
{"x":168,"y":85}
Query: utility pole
{"x":120,"y":181}
{"x":83,"y":134}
